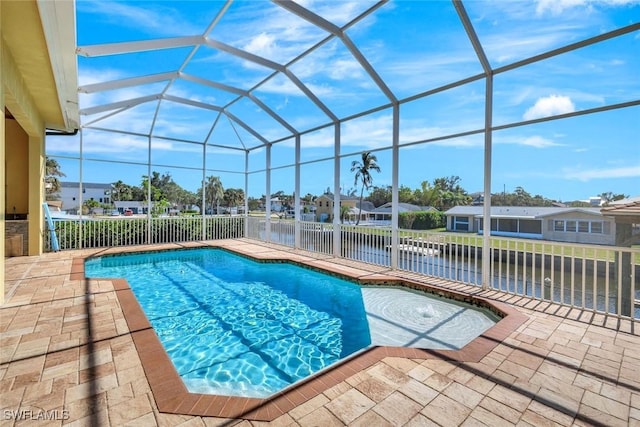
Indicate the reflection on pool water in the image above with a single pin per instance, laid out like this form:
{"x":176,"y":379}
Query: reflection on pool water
{"x":237,"y":327}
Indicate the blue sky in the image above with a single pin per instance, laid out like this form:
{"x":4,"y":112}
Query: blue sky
{"x":414,"y":47}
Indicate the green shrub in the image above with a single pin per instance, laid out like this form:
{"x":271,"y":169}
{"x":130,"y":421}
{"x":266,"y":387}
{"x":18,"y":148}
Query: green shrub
{"x":423,"y":220}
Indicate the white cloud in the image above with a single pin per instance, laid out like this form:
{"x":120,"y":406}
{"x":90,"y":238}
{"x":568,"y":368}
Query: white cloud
{"x":505,"y":46}
{"x":608,"y":173}
{"x":550,"y":106}
{"x":376,"y":132}
{"x":158,"y":19}
{"x":536,"y":142}
{"x":263,"y":45}
{"x":557,"y":7}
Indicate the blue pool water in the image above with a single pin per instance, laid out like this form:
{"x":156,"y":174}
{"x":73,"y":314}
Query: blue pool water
{"x":237,"y":327}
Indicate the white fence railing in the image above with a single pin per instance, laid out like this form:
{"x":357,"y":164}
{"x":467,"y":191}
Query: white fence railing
{"x":603,"y":279}
{"x":97,"y":233}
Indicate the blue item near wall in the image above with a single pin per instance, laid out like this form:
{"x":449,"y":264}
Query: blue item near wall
{"x":54,"y":238}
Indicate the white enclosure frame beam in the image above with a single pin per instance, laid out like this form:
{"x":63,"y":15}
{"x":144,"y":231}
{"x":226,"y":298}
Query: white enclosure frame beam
{"x":296,"y":201}
{"x":203,"y":235}
{"x":488,"y":115}
{"x":246,"y":194}
{"x":331,"y":28}
{"x":395,"y":172}
{"x":336,"y":191}
{"x":97,"y":50}
{"x":267,"y":196}
{"x":126,"y":104}
{"x":124,"y":83}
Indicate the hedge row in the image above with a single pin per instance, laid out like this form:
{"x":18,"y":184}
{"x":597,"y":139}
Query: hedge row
{"x":423,"y":220}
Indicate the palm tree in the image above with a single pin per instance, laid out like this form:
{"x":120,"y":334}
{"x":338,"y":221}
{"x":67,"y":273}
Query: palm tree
{"x":52,"y":183}
{"x":344,"y":213}
{"x":363,"y":174}
{"x":214,"y":192}
{"x":120,"y":191}
{"x":233,"y":197}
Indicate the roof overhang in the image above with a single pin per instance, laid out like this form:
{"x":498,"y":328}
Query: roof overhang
{"x":624,"y":213}
{"x":41,"y":39}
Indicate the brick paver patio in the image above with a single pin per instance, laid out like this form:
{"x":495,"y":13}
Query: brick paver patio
{"x":71,"y":355}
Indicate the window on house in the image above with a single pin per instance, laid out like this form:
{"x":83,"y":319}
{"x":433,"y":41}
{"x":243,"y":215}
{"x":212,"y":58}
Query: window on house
{"x":461,"y":223}
{"x":573,"y":226}
{"x":596,"y":227}
{"x":508,"y":225}
{"x":531,"y":226}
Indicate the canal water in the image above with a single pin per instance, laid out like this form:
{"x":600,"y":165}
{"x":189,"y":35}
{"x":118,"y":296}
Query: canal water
{"x":548,"y":282}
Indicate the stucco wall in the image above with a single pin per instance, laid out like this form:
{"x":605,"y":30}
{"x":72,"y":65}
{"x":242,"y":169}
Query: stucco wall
{"x":17,"y":168}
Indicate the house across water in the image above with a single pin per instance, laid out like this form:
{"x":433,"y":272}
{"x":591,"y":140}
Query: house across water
{"x":559,"y":224}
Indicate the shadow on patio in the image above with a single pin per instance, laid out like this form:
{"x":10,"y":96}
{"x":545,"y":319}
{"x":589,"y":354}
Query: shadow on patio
{"x":69,"y":354}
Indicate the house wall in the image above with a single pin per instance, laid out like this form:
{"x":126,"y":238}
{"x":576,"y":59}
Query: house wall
{"x":16,"y":168}
{"x":70,"y":196}
{"x":2,"y":164}
{"x":549,"y":232}
{"x":324,"y":205}
{"x":471,"y":219}
{"x":607,"y":237}
{"x":18,"y":100}
{"x":15,"y":96}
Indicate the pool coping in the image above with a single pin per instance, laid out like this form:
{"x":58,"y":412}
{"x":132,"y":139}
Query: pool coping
{"x":172,"y":396}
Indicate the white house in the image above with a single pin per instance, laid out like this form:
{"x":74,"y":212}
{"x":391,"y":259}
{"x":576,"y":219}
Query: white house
{"x":276,"y":204}
{"x":136,"y":207}
{"x":70,"y":194}
{"x":383,"y":212}
{"x":573,"y":225}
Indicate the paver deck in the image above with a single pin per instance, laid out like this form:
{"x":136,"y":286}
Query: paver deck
{"x":74,"y":352}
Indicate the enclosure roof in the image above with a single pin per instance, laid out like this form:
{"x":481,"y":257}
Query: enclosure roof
{"x":520,"y":211}
{"x":244,"y":74}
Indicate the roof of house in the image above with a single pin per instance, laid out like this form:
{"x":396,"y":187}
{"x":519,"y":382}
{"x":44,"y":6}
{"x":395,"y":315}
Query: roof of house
{"x":330,"y":196}
{"x":627,"y":201}
{"x":629,"y":207}
{"x":72,"y":184}
{"x":519,"y":211}
{"x":131,"y":204}
{"x":357,"y":211}
{"x":403,"y":207}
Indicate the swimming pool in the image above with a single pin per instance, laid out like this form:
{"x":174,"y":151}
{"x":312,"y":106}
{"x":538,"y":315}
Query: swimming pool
{"x":237,"y":327}
{"x":233,"y":326}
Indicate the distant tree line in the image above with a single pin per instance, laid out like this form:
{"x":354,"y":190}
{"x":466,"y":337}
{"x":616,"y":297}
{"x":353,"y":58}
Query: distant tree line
{"x":442,"y":193}
{"x":445,"y":193}
{"x":165,"y":192}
